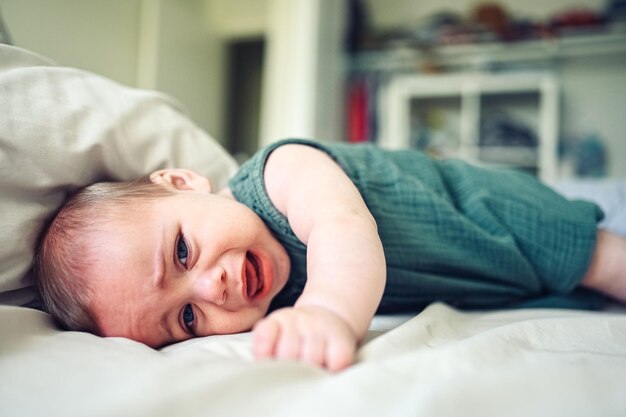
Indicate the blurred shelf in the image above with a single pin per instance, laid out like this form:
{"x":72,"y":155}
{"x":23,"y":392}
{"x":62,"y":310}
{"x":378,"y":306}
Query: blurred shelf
{"x":512,"y":156}
{"x":402,"y":57}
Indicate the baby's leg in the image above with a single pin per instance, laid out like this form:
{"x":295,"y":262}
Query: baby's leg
{"x":607,"y":272}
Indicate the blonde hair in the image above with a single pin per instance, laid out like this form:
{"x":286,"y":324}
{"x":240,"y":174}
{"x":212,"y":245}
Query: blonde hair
{"x":66,"y":249}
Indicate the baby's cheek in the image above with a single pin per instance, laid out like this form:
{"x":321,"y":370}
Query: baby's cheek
{"x":238,"y":321}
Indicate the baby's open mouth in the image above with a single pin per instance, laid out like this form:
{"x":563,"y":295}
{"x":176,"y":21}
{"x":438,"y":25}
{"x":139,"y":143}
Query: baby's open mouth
{"x":254,"y":278}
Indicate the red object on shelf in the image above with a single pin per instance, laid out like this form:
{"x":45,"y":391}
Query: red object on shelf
{"x":576,"y":18}
{"x":358,"y":126}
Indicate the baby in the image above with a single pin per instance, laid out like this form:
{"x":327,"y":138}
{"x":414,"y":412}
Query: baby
{"x":321,"y":237}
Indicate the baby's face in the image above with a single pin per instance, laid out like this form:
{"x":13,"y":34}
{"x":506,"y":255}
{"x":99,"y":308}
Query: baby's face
{"x":189,"y":265}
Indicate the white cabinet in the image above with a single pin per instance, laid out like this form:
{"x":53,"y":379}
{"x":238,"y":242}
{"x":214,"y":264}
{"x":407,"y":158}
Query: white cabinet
{"x":469,"y":102}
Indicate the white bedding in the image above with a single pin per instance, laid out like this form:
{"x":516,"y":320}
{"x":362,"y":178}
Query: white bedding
{"x":439,"y":363}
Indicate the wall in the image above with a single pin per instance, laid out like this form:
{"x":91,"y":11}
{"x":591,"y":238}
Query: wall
{"x":99,"y":36}
{"x":190,"y":63}
{"x":166,"y":45}
{"x":236,"y":19}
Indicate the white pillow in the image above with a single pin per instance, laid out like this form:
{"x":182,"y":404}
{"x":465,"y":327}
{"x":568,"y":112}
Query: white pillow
{"x":62,"y":128}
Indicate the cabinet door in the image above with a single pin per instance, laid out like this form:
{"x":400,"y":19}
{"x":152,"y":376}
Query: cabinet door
{"x":508,"y":120}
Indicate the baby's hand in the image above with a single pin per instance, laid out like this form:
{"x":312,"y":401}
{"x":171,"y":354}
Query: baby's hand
{"x":312,"y":334}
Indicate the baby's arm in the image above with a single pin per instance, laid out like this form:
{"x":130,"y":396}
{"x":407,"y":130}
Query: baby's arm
{"x":346,"y":263}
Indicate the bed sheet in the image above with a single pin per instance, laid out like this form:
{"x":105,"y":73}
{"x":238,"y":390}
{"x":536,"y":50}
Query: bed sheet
{"x":442,"y":362}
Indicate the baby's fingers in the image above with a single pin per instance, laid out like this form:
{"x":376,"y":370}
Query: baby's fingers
{"x":288,"y":345}
{"x":276,"y":339}
{"x":313,"y":351}
{"x":339,"y":355}
{"x":265,"y":337}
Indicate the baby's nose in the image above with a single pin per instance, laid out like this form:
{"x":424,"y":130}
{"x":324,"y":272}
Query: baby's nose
{"x":211,"y":286}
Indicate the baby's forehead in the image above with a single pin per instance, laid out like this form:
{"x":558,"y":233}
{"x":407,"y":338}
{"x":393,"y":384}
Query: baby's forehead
{"x":121,"y":245}
{"x":114,"y":225}
{"x":125,"y":212}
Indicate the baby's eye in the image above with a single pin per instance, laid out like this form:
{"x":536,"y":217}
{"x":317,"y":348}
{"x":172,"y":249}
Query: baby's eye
{"x":188,"y":319}
{"x":181,"y":250}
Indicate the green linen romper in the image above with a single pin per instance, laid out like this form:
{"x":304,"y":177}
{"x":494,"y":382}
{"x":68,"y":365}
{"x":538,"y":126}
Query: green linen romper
{"x":471,"y":237}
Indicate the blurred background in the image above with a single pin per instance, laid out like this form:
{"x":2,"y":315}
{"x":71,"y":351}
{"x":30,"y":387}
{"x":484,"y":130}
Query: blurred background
{"x":537,"y":85}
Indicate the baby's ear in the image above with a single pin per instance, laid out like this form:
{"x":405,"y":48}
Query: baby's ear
{"x":181,"y":179}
